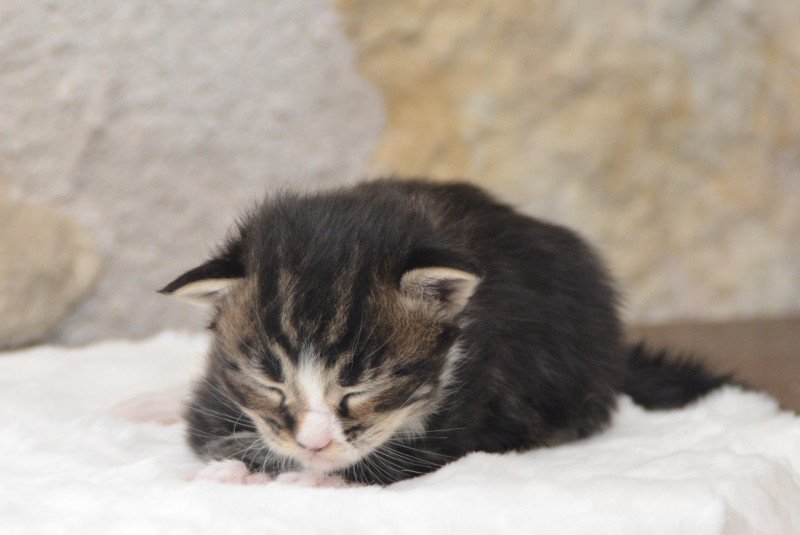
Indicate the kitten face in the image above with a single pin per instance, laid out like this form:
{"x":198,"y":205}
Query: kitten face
{"x":334,"y":332}
{"x":328,"y":384}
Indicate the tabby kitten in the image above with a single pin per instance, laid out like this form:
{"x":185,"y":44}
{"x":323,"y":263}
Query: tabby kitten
{"x":380,"y":331}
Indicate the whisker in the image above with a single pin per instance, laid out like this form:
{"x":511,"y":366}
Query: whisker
{"x":389,"y":461}
{"x":403,"y":445}
{"x":214,"y":414}
{"x":394,"y":455}
{"x":381,"y":470}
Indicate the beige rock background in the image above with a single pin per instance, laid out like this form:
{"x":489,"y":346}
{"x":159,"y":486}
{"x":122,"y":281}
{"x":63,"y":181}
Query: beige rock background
{"x":668,"y":132}
{"x":47,"y":266}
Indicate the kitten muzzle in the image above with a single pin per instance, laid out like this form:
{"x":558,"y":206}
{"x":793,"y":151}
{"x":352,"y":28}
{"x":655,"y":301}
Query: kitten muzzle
{"x":316,"y":431}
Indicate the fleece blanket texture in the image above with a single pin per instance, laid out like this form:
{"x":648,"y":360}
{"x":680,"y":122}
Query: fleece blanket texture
{"x":69,"y":464}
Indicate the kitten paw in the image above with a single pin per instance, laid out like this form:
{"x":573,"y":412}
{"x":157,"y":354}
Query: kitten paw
{"x":310,"y":479}
{"x":159,"y":408}
{"x":229,"y":471}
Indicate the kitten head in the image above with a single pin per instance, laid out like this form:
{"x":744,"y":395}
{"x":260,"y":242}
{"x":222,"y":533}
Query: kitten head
{"x":332,"y":342}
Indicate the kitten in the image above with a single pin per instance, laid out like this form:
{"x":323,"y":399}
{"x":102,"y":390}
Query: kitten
{"x":381,"y":331}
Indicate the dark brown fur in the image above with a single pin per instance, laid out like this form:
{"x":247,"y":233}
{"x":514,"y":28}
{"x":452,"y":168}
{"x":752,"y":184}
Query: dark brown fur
{"x":434,"y":321}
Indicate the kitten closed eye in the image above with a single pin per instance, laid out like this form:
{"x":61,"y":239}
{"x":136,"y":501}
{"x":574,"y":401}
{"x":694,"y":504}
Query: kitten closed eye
{"x":276,"y":394}
{"x":347,"y":401}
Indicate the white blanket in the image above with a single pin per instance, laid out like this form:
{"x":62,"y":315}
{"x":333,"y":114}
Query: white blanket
{"x":729,"y":464}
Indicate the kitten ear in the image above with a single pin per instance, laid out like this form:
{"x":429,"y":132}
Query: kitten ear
{"x":206,"y":283}
{"x":449,"y":287}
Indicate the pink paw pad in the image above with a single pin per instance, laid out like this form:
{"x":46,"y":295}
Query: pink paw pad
{"x":159,"y":408}
{"x":309,"y":479}
{"x":229,"y":471}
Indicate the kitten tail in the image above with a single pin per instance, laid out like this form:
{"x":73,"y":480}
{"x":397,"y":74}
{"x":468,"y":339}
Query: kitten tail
{"x":658,"y":380}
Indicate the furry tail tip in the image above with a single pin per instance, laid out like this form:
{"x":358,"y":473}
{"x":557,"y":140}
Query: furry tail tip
{"x":657,"y":380}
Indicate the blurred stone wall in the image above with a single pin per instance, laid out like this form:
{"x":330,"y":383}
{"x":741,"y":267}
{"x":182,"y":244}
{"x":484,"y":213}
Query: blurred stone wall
{"x":133,"y":131}
{"x":151,"y":124}
{"x":667,"y":131}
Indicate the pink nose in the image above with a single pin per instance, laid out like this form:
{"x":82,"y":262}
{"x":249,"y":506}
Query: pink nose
{"x":315,"y":431}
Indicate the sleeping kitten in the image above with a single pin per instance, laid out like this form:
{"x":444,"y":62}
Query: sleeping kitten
{"x":378,"y":332}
